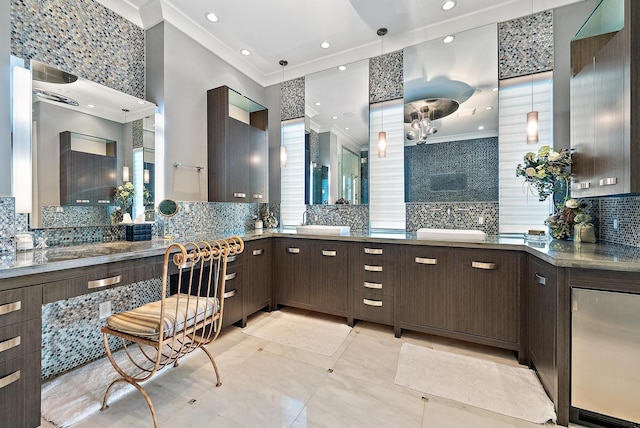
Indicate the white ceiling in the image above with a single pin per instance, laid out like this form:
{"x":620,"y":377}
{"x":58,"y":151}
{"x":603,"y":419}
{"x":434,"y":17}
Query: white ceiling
{"x":293,"y":29}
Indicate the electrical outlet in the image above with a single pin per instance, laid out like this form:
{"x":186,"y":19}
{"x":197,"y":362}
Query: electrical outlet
{"x":105,"y":309}
{"x":481,"y":220}
{"x":615,"y":224}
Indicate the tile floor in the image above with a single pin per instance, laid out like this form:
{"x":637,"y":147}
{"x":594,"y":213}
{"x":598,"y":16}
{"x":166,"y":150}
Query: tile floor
{"x":265,"y":384}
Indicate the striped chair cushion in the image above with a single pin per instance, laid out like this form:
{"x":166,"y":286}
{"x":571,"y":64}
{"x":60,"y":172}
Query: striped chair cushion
{"x":145,"y":320}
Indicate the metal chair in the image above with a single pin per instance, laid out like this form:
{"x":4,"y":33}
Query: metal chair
{"x":188,"y":316}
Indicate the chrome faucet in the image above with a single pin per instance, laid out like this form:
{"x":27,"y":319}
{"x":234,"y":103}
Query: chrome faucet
{"x":305,"y":216}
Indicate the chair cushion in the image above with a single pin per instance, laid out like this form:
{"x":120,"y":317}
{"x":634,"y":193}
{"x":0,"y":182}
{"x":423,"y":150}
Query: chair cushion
{"x":145,"y":320}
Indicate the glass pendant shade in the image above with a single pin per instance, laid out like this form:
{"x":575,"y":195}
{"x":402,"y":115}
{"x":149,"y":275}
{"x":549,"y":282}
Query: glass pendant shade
{"x":283,"y":156}
{"x":532,"y":127}
{"x":382,"y":144}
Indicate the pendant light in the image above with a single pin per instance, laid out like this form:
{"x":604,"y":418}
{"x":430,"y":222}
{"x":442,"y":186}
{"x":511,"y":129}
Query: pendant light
{"x":532,"y":116}
{"x":125,"y":168}
{"x":283,"y":150}
{"x":382,"y":136}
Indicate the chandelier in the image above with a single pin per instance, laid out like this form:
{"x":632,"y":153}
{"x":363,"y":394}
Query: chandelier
{"x":421,"y":126}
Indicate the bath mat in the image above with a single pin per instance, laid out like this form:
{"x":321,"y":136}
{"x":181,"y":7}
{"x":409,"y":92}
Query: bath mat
{"x":298,"y":331}
{"x":511,"y":391}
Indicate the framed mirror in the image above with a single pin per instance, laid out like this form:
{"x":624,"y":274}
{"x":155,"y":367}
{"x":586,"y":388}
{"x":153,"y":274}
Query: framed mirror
{"x":337,"y":134}
{"x":451,"y":118}
{"x":66,"y":103}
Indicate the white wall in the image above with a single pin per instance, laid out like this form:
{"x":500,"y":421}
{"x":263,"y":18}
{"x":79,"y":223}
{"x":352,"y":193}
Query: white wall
{"x":5,"y":129}
{"x":188,"y":71}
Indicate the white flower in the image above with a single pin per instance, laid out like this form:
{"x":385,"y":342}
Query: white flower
{"x":571,"y":203}
{"x":554,"y":156}
{"x":120,"y":187}
{"x":530,"y":171}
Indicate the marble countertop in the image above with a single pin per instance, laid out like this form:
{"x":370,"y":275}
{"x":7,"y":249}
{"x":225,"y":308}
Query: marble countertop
{"x":559,"y":253}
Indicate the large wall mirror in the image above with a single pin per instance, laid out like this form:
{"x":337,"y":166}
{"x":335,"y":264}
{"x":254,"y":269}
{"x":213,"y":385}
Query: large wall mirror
{"x":337,"y":135}
{"x":96,"y":120}
{"x":451,"y":118}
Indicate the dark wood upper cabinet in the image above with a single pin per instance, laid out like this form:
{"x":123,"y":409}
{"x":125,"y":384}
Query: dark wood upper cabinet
{"x":237,"y":147}
{"x":604,"y":102}
{"x":87,"y":169}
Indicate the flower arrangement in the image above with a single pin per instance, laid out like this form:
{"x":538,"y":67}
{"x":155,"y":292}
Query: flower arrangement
{"x":123,"y":195}
{"x":544,"y":169}
{"x":561,"y":222}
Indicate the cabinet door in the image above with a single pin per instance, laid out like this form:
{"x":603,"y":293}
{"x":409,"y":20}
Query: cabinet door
{"x":258,"y":165}
{"x":582,"y":132}
{"x":486,"y":294}
{"x":426,"y":290}
{"x":541,"y":308}
{"x":238,"y":168}
{"x":233,"y":295}
{"x":294,"y":262}
{"x":609,"y":117}
{"x":104,"y":179}
{"x":329,"y":288}
{"x":257,"y":278}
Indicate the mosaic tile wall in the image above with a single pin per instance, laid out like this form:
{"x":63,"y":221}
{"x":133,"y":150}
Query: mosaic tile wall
{"x":355,"y":216}
{"x":292,"y":99}
{"x":71,"y":328}
{"x":386,"y":77}
{"x":65,"y":236}
{"x":525,"y":45}
{"x":82,"y":37}
{"x":74,"y":216}
{"x":627,"y":211}
{"x":137,"y":134}
{"x":453,"y":215}
{"x":7,"y":225}
{"x":456,"y":171}
{"x":314,"y":146}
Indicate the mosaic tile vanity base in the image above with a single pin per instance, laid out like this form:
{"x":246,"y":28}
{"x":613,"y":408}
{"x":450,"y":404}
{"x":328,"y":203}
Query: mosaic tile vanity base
{"x":81,"y":37}
{"x":355,"y":216}
{"x":453,"y":215}
{"x":71,"y":328}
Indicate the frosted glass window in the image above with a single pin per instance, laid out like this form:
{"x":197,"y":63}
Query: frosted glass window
{"x":292,"y":175}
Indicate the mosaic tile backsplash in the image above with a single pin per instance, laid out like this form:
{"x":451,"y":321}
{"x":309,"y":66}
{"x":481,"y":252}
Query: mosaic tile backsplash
{"x":292,"y":99}
{"x":355,"y":216}
{"x":627,"y":213}
{"x":71,"y":328}
{"x":74,"y":216}
{"x":386,"y":77}
{"x":81,"y":37}
{"x":525,"y":45}
{"x":7,"y":225}
{"x":456,"y":171}
{"x":454,"y":215}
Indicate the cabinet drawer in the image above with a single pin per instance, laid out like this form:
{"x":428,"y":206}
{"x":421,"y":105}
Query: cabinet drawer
{"x":20,"y":304}
{"x":20,"y":339}
{"x":374,"y":284}
{"x":373,"y":307}
{"x":20,"y":392}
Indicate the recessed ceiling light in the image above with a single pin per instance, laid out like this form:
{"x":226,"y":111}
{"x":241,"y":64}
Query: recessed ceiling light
{"x":141,"y":102}
{"x":448,"y":39}
{"x":334,"y":117}
{"x":90,"y":105}
{"x":346,"y":128}
{"x":448,"y":5}
{"x":211,"y":17}
{"x":245,"y":52}
{"x":342,"y":67}
{"x":480,"y":127}
{"x":325,"y":45}
{"x":317,"y":103}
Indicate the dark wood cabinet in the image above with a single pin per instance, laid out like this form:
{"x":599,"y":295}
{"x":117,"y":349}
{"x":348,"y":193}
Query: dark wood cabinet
{"x":313,"y":274}
{"x":233,"y":294}
{"x":605,"y":95}
{"x":426,"y":296}
{"x":542,"y":315}
{"x":258,"y":258}
{"x":486,"y":295}
{"x":86,"y":177}
{"x":237,"y":147}
{"x":375,"y":277}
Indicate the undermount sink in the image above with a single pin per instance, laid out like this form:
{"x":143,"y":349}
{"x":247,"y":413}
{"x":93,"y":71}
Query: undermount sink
{"x":318,"y":229}
{"x":456,"y":235}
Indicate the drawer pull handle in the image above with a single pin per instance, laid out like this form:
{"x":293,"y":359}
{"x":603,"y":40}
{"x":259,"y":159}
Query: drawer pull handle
{"x":611,"y":181}
{"x":82,"y":201}
{"x":370,"y":268}
{"x":257,"y":252}
{"x":484,"y":265}
{"x":293,"y":250}
{"x":541,"y":279}
{"x":329,"y":253}
{"x":8,"y":344}
{"x":583,"y":185}
{"x":374,"y":285}
{"x":10,"y":307}
{"x":370,"y":302}
{"x":104,"y":201}
{"x":230,"y":293}
{"x":99,"y":283}
{"x":230,"y":276}
{"x":239,"y":195}
{"x":257,"y":196}
{"x":231,"y":259}
{"x":426,"y":261}
{"x":373,"y":251}
{"x":8,"y":380}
